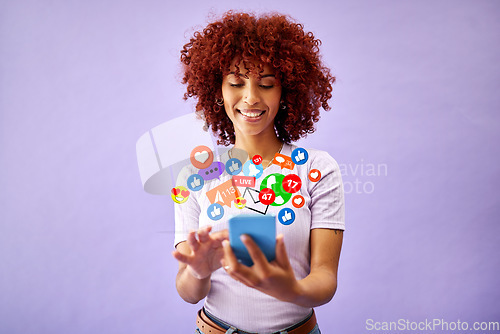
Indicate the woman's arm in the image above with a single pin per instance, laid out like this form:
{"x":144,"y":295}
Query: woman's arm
{"x":319,"y":286}
{"x":198,"y":258}
{"x":277,"y":278}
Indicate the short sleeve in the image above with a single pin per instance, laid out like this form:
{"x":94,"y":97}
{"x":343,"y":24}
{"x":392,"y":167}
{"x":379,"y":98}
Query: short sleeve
{"x":327,"y":195}
{"x":187,"y":215}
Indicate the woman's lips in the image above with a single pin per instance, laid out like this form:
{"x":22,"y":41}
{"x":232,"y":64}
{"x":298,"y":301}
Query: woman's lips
{"x":251,"y":115}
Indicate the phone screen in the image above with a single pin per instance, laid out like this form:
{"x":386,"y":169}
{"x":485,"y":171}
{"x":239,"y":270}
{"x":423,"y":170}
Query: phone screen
{"x":262,"y":229}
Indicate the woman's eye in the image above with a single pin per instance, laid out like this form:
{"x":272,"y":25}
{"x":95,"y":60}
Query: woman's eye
{"x":236,"y":85}
{"x":266,"y":86}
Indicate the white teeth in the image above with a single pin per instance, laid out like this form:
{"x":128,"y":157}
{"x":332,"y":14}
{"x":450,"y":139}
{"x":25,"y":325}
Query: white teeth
{"x":251,"y":115}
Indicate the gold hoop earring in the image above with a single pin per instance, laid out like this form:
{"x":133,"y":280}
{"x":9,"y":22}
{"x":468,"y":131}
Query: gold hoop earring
{"x":219,"y":102}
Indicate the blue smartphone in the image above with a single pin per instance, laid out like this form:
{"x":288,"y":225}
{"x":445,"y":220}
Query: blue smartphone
{"x":262,"y":229}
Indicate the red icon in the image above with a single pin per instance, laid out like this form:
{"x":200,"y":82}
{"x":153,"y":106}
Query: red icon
{"x":267,"y":196}
{"x":257,"y":159}
{"x":292,"y":183}
{"x":298,"y":201}
{"x":314,"y":175}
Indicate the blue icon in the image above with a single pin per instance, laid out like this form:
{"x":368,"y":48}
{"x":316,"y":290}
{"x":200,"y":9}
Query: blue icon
{"x":216,"y":211}
{"x":213,"y":171}
{"x":286,"y":216}
{"x":233,"y":166}
{"x":300,"y":156}
{"x":251,"y":169}
{"x":195,"y":182}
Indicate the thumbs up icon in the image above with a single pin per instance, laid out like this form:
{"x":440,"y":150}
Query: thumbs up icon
{"x":300,"y":156}
{"x":286,"y":216}
{"x":215,"y":211}
{"x":195,"y":182}
{"x":233,"y":166}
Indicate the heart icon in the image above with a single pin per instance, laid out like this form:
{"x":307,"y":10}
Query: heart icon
{"x":298,"y":201}
{"x":314,"y":175}
{"x":185,"y":193}
{"x":201,"y":156}
{"x":175,"y":191}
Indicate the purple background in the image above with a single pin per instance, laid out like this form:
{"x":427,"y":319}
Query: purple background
{"x":83,"y":249}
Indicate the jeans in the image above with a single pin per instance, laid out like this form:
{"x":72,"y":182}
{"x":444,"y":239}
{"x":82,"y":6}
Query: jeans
{"x":315,"y":330}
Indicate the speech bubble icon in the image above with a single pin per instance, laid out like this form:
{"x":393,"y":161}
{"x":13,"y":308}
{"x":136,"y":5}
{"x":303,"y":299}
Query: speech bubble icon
{"x":213,"y":171}
{"x":283,"y":161}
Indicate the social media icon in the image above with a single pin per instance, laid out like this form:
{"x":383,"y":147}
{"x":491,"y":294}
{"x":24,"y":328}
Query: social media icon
{"x":298,"y":201}
{"x":201,"y":156}
{"x":292,"y":183}
{"x":240,"y":202}
{"x":283,"y":161}
{"x":275,"y":182}
{"x":195,"y":182}
{"x":253,"y":202}
{"x":179,"y":194}
{"x":286,"y":216}
{"x":267,"y":196}
{"x":257,"y":159}
{"x":233,"y":166}
{"x":300,"y":156}
{"x":314,"y":175}
{"x":212,"y":172}
{"x":223,"y":194}
{"x":251,"y":169}
{"x":215,"y":211}
{"x":243,"y":181}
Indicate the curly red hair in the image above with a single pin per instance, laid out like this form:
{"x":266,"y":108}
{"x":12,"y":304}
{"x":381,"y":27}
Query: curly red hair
{"x":271,"y":39}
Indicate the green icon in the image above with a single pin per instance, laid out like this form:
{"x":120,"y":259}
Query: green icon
{"x":275,"y":182}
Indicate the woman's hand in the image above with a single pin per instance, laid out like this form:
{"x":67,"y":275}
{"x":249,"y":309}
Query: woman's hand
{"x":204,"y":253}
{"x":275,"y":278}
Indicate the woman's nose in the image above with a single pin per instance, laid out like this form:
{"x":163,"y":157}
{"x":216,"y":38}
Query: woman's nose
{"x":251,"y":95}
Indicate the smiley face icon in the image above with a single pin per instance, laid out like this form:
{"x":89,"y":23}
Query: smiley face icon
{"x":179,"y":194}
{"x":240,"y":202}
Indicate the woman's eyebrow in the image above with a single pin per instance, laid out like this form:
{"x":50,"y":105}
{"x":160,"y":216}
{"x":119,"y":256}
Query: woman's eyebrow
{"x":245,"y":76}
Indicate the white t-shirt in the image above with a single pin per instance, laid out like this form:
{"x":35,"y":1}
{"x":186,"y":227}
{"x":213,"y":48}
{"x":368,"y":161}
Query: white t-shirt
{"x":243,"y":307}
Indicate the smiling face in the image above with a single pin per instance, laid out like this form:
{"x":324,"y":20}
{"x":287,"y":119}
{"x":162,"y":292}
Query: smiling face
{"x":251,"y":101}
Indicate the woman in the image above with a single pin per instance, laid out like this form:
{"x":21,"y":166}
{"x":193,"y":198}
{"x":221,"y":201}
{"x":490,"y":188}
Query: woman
{"x":259,"y":83}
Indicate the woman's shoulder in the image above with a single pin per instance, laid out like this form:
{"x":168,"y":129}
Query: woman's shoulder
{"x":311,"y":155}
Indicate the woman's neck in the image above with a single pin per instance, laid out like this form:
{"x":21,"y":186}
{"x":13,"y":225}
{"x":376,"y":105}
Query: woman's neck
{"x":265,"y":146}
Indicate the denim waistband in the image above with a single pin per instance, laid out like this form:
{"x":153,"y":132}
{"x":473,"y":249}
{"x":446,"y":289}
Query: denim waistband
{"x":227,"y":326}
